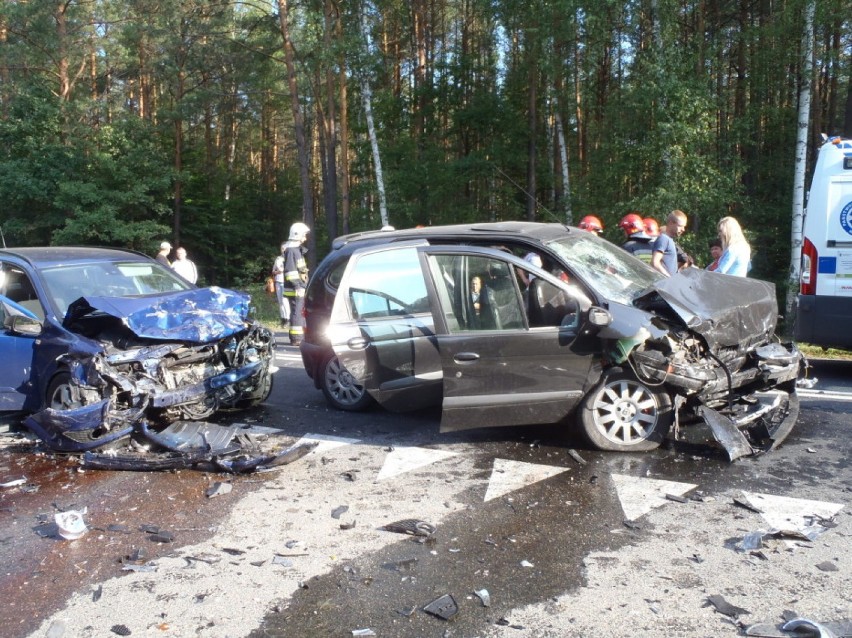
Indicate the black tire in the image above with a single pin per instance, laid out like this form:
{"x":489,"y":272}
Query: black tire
{"x":61,"y":394}
{"x":623,"y":414}
{"x":341,"y":390}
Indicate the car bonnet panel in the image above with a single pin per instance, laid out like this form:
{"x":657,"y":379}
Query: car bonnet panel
{"x":198,"y":316}
{"x":727,"y":311}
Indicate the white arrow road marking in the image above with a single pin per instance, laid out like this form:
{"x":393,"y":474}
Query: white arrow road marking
{"x":326,"y":442}
{"x":405,"y":459}
{"x":796,"y":514}
{"x":824,"y":395}
{"x":639,"y":496}
{"x":508,"y":476}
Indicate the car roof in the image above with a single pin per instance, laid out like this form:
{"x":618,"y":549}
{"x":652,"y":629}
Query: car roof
{"x":48,"y":256}
{"x":533,"y":231}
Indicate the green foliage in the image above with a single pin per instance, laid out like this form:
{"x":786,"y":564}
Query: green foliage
{"x":705,"y":123}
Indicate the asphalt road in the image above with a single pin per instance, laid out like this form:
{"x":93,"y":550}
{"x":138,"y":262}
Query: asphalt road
{"x":557,"y":539}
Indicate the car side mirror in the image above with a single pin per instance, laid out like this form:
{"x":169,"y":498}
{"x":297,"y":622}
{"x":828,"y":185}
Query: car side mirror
{"x":599,"y":316}
{"x":19,"y":324}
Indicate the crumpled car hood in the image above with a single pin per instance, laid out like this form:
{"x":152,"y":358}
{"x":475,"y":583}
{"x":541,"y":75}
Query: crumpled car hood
{"x":201,"y":315}
{"x":726,"y":311}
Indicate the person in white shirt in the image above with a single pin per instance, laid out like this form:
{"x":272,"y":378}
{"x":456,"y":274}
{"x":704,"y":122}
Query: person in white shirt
{"x":185,"y":267}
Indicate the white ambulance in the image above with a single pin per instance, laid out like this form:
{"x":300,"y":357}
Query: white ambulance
{"x":824,"y":304}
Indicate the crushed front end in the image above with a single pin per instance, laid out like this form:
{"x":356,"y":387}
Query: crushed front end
{"x":180,"y":357}
{"x":710,"y":341}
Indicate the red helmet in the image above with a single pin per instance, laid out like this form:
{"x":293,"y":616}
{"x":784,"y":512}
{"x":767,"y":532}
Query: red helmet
{"x":591,"y":224}
{"x":651,"y":226}
{"x":632,"y":223}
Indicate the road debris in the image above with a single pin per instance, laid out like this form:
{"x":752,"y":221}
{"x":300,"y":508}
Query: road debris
{"x":576,"y":456}
{"x":218,"y":489}
{"x":363,"y":632}
{"x":339,"y":511}
{"x":444,"y":607}
{"x":827,"y":566}
{"x":526,"y":563}
{"x":726,"y":608}
{"x":484,"y":596}
{"x":70,"y":524}
{"x":410,"y":526}
{"x":15,"y":482}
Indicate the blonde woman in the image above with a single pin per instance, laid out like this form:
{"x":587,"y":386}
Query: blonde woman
{"x":736,"y":253}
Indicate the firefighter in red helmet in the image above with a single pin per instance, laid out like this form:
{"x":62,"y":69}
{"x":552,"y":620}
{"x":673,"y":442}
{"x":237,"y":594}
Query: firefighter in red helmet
{"x":638,"y":243}
{"x":591,"y":224}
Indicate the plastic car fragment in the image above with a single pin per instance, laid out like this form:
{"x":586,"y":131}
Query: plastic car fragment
{"x":444,"y":607}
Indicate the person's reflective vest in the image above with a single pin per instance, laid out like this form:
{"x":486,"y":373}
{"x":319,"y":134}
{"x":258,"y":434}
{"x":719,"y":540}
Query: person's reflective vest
{"x":295,"y":269}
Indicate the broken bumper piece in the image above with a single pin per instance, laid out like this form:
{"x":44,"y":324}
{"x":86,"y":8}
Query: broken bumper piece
{"x":182,"y":445}
{"x":198,"y":445}
{"x":757,"y":428}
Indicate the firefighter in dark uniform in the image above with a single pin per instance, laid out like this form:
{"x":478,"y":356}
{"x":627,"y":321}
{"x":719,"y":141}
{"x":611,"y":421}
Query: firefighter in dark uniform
{"x":296,"y":279}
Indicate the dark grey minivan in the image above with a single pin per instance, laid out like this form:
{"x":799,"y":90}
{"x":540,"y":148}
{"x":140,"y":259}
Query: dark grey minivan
{"x":465,"y":318}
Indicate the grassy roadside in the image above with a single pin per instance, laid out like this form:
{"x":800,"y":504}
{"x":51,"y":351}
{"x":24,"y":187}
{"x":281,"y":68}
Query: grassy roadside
{"x":817,"y":352}
{"x":265,"y":306}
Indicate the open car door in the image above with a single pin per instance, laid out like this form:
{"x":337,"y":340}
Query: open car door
{"x":382,"y":328}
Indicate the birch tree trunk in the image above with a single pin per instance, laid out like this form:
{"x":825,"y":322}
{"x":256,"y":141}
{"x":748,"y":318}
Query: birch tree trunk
{"x":367,"y":97}
{"x":801,"y":155}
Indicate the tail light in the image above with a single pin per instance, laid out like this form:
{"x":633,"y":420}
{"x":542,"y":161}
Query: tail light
{"x":809,"y":268}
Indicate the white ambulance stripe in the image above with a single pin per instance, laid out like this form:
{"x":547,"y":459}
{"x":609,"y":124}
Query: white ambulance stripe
{"x":405,"y":459}
{"x":639,"y":495}
{"x":508,"y":476}
{"x":784,"y":513}
{"x":326,"y":442}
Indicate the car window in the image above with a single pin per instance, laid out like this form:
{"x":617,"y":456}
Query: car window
{"x":388,"y":283}
{"x":16,"y":285}
{"x":108,"y":279}
{"x":477,"y":293}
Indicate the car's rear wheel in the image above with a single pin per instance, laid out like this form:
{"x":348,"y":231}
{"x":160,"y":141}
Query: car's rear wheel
{"x":340,"y":388}
{"x":623,"y":414}
{"x":61,"y":394}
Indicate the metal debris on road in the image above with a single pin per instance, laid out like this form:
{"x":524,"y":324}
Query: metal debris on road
{"x":444,"y":607}
{"x":339,"y":511}
{"x":676,"y":498}
{"x":15,"y":482}
{"x":363,"y":632}
{"x":410,"y":526}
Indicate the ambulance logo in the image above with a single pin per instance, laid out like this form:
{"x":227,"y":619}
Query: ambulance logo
{"x":846,"y":218}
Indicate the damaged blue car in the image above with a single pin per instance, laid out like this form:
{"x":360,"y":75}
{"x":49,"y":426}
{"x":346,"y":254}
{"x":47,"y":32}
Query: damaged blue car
{"x":108,"y":353}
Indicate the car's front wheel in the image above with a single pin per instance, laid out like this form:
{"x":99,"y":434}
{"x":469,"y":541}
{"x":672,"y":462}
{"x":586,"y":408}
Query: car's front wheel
{"x":623,"y":414}
{"x":61,"y":394}
{"x":340,"y":388}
